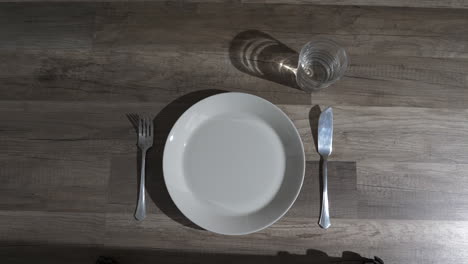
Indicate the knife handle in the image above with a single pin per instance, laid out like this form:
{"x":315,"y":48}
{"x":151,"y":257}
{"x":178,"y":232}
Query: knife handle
{"x":324,"y":220}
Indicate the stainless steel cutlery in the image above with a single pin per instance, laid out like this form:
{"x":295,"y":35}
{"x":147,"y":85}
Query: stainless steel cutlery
{"x":325,"y":138}
{"x":145,"y":141}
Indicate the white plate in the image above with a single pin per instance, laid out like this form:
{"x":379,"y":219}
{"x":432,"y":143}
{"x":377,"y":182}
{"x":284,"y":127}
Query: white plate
{"x":234,"y":163}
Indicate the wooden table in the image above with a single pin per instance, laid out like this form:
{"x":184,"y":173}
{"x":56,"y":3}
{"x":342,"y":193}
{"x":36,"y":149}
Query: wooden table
{"x":69,"y":74}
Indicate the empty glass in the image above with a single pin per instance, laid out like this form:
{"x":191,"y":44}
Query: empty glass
{"x":321,"y":63}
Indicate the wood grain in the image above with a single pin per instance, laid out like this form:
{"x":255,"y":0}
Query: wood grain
{"x":397,"y":3}
{"x":88,"y":254}
{"x":107,"y":59}
{"x":432,"y":177}
{"x":393,"y":239}
{"x":380,"y":3}
{"x":71,"y":72}
{"x":342,"y":183}
{"x":33,"y":227}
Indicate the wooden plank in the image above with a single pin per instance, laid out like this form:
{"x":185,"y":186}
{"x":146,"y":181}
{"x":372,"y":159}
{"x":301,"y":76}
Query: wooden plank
{"x":394,"y":241}
{"x":412,"y":191}
{"x":411,"y":82}
{"x":406,"y":134}
{"x":69,"y":131}
{"x":398,"y":3}
{"x":460,"y":4}
{"x":48,"y":254}
{"x":363,"y":31}
{"x":23,"y":227}
{"x":379,"y":127}
{"x":87,"y":254}
{"x":52,"y":184}
{"x":42,"y":26}
{"x":396,"y":203}
{"x":123,"y":190}
{"x":145,"y":51}
{"x":430,"y":177}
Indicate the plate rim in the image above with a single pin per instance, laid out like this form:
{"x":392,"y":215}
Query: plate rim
{"x":301,"y":144}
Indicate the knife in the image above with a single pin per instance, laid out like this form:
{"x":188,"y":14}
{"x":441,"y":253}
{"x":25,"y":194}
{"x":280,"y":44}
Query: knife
{"x":325,"y":138}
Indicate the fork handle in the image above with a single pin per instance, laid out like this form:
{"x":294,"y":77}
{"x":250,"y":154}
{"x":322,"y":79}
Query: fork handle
{"x":140,"y":212}
{"x":324,"y":220}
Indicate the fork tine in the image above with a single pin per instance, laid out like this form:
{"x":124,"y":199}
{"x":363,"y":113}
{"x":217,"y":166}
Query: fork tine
{"x":140,"y":127}
{"x":148,"y":120}
{"x":151,"y":127}
{"x":146,"y":126}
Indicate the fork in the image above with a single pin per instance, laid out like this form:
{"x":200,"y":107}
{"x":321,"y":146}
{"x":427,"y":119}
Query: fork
{"x":145,"y":141}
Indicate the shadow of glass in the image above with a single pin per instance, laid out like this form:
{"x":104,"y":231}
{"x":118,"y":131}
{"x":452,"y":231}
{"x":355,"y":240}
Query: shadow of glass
{"x":259,"y":54}
{"x":314,"y":116}
{"x":163,"y":123}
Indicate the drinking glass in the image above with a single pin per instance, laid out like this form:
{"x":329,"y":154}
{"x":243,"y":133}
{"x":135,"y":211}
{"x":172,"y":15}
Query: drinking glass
{"x":321,"y":63}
